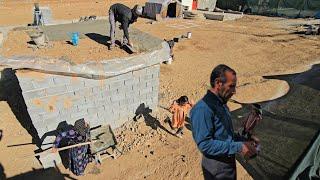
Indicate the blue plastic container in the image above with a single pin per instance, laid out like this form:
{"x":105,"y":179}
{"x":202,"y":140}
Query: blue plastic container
{"x":75,"y":38}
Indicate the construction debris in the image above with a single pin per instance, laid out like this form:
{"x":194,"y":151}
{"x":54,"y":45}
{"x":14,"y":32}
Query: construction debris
{"x":191,"y":15}
{"x":307,"y":29}
{"x":87,"y":18}
{"x":40,"y":40}
{"x":313,"y":30}
{"x":222,"y":16}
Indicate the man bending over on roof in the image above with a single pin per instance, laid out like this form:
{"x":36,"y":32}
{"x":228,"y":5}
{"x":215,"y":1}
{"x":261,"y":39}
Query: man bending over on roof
{"x":124,"y":15}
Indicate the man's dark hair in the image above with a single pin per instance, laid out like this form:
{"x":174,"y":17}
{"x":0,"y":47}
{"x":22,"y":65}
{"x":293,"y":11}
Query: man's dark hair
{"x":219,"y":72}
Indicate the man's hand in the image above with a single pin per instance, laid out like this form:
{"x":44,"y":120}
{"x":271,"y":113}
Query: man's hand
{"x":248,"y":149}
{"x":54,"y":150}
{"x":255,"y":139}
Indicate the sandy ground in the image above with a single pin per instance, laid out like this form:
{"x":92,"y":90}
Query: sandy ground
{"x":18,"y":43}
{"x":13,"y":12}
{"x":254,"y":46}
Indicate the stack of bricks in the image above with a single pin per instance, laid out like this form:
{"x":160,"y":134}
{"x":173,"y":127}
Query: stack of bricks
{"x":52,"y":99}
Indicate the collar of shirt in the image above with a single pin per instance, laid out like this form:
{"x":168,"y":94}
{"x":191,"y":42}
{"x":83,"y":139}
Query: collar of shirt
{"x":213,"y":101}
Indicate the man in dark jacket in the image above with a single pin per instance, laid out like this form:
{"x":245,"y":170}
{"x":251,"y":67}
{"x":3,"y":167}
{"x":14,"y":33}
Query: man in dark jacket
{"x":124,"y":15}
{"x":212,"y":128}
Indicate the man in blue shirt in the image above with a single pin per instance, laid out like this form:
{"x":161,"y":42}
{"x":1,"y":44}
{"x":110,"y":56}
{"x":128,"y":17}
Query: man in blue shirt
{"x":212,"y":128}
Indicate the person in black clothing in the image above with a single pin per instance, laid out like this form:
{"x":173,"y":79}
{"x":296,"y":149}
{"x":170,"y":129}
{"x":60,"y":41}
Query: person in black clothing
{"x":124,"y":15}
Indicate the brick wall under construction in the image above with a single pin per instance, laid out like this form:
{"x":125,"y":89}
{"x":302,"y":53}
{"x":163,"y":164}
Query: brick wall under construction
{"x":52,"y":99}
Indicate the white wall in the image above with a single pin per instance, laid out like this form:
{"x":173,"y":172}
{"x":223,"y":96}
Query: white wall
{"x":187,"y":3}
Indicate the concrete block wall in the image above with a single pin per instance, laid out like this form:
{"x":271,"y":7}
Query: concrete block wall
{"x":52,"y":99}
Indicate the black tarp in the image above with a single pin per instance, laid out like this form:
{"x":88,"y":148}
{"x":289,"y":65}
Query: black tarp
{"x":288,"y":131}
{"x":289,"y":8}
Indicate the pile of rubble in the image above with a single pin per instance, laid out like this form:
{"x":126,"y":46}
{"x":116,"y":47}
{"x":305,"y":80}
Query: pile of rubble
{"x":136,"y":133}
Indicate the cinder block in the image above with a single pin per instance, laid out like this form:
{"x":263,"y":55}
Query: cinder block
{"x":109,"y":106}
{"x":35,"y":118}
{"x":56,"y":90}
{"x":153,"y":82}
{"x":92,"y":83}
{"x":75,"y":85}
{"x":115,"y":112}
{"x":84,"y":107}
{"x":93,"y":98}
{"x":26,"y":86}
{"x":76,"y":100}
{"x":98,"y":89}
{"x":40,"y":125}
{"x":66,"y":114}
{"x":62,"y":80}
{"x":116,"y":84}
{"x":105,"y":114}
{"x":127,"y":101}
{"x":125,"y":76}
{"x":129,"y":82}
{"x":83,"y":92}
{"x":152,"y":94}
{"x":49,"y":115}
{"x":145,"y":91}
{"x":153,"y":69}
{"x":156,"y":75}
{"x":125,"y":89}
{"x":148,"y":77}
{"x":103,"y":103}
{"x":117,"y":97}
{"x":139,"y":73}
{"x":79,"y":115}
{"x":132,"y":94}
{"x":32,"y":109}
{"x":52,"y":124}
{"x":43,"y":83}
{"x":34,"y":94}
{"x":94,"y":110}
{"x":106,"y":97}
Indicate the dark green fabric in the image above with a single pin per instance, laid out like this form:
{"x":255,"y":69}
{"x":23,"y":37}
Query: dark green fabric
{"x":290,"y":8}
{"x":309,"y":166}
{"x":288,"y":131}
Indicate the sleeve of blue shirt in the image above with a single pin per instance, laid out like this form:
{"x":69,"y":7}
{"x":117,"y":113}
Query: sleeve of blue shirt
{"x":202,"y":131}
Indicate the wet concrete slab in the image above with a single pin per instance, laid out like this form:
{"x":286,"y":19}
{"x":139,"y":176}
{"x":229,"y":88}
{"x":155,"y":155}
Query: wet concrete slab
{"x":98,"y":30}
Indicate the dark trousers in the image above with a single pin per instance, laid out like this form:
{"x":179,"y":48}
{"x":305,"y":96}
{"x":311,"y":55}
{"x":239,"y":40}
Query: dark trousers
{"x":112,"y":27}
{"x":219,"y":169}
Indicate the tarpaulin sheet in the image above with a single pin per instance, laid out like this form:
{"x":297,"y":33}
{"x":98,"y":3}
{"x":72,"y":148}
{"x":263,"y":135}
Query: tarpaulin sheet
{"x":289,"y":131}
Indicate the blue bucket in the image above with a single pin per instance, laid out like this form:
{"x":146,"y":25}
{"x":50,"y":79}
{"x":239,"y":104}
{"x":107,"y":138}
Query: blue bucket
{"x":74,"y":38}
